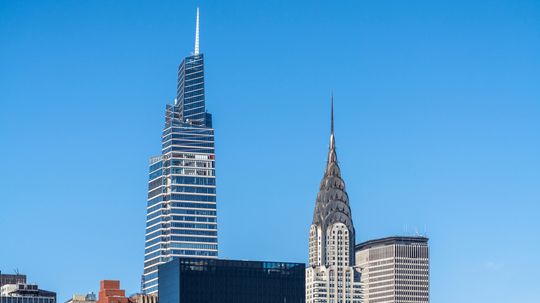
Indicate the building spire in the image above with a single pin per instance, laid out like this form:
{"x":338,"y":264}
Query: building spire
{"x":196,"y":52}
{"x":332,"y":203}
{"x":332,"y":141}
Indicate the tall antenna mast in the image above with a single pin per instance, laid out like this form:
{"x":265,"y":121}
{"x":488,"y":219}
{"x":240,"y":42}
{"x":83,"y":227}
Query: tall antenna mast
{"x":197,"y":34}
{"x":332,"y":114}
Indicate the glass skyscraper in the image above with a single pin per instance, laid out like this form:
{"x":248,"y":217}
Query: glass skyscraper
{"x":181,"y":211}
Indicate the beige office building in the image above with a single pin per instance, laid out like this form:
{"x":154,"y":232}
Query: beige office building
{"x":394,"y":270}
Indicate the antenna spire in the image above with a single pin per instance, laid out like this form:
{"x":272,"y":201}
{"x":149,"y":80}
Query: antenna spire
{"x":196,"y":52}
{"x":332,"y":114}
{"x":332,"y":140}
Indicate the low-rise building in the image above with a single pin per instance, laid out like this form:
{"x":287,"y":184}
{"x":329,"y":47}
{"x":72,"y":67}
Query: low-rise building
{"x":144,"y":298}
{"x":88,"y":298}
{"x":200,"y":280}
{"x":110,"y":292}
{"x":25,"y":293}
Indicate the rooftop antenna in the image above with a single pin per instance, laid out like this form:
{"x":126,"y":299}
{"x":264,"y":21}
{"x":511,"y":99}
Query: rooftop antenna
{"x":197,"y":34}
{"x":332,"y":115}
{"x":332,"y":139}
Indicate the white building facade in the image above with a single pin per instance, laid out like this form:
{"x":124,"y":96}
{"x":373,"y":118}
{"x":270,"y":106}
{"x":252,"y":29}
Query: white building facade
{"x":331,"y":276}
{"x":394,"y":270}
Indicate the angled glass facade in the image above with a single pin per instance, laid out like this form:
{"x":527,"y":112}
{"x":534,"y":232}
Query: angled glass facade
{"x":190,"y":91}
{"x":181,"y":208}
{"x":191,"y":280}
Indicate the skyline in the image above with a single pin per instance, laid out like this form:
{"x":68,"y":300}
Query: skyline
{"x":436,"y":125}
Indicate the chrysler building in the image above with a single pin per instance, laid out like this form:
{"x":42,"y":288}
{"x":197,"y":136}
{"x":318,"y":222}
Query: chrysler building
{"x":331,"y":276}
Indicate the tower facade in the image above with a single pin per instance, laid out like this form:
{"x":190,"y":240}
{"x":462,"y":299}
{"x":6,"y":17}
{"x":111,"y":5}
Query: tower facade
{"x":394,"y":270}
{"x":331,"y":276}
{"x":181,"y":208}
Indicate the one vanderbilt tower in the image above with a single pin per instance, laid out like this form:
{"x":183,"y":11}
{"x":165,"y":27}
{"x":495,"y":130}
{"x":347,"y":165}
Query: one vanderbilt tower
{"x":181,"y":209}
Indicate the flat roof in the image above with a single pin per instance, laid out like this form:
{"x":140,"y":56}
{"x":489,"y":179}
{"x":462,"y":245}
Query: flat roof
{"x":391,"y":240}
{"x":234,"y":263}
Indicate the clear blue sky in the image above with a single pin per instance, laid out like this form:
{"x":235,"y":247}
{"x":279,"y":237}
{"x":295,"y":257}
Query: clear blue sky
{"x":437,"y":128}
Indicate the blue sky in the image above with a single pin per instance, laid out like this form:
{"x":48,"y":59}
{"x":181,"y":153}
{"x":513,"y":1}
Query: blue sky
{"x":437,"y":129}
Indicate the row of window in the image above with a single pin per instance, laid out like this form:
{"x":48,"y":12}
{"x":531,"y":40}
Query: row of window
{"x":193,"y":180}
{"x":179,"y":238}
{"x":193,"y":245}
{"x":180,"y":232}
{"x":195,"y":87}
{"x":158,"y":260}
{"x":194,"y":137}
{"x":193,"y":212}
{"x":193,"y":225}
{"x":155,"y":174}
{"x":204,"y":162}
{"x":184,"y":143}
{"x":28,"y":299}
{"x":193,"y":198}
{"x":190,"y":171}
{"x":156,"y":166}
{"x":193,"y":81}
{"x":194,"y":239}
{"x":195,"y":253}
{"x":154,"y":220}
{"x":191,"y":189}
{"x":192,"y":105}
{"x":193,"y":205}
{"x":188,"y":149}
{"x":194,"y":219}
{"x":188,"y":131}
{"x":194,"y":72}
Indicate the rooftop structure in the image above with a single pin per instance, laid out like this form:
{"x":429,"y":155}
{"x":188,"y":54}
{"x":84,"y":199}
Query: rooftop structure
{"x":78,"y":298}
{"x":11,"y":279}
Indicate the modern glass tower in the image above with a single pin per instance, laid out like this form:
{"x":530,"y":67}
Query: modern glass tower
{"x":181,"y":211}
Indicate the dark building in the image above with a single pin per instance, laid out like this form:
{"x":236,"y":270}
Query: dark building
{"x":11,"y":279}
{"x":196,"y":280}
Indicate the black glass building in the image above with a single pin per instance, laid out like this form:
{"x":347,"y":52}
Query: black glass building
{"x":193,"y":280}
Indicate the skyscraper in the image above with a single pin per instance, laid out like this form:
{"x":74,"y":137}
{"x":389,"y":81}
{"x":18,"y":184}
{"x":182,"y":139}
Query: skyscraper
{"x":394,"y":269}
{"x":181,"y":208}
{"x":331,"y":276}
